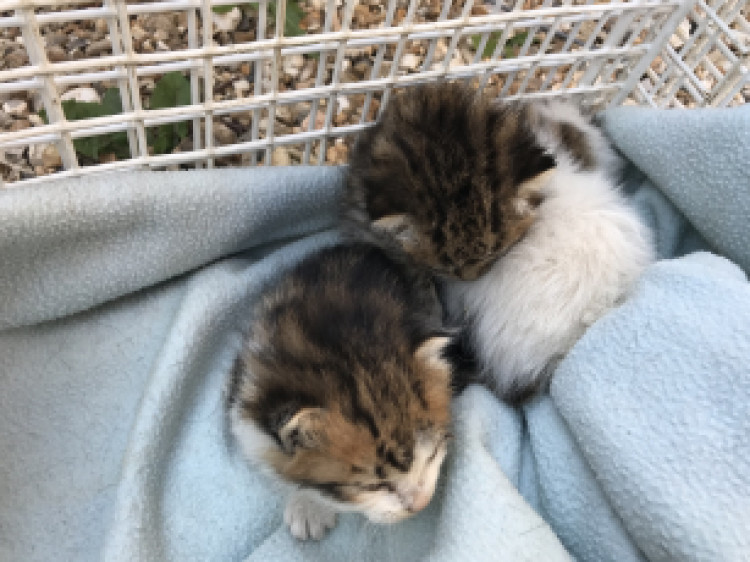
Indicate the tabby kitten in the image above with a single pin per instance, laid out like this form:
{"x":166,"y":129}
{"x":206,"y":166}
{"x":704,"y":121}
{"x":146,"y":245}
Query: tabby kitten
{"x":511,"y":205}
{"x":450,"y":178}
{"x":342,"y":390}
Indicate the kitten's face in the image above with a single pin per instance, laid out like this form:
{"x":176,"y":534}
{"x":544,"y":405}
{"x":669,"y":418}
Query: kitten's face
{"x":461,"y":248}
{"x":386,"y":479}
{"x":379,"y":453}
{"x":447,"y":178}
{"x":464,"y":252}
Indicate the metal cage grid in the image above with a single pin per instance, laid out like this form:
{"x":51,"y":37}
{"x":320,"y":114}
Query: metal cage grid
{"x":662,"y":53}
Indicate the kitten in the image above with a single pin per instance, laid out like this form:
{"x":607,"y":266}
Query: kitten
{"x":579,"y":259}
{"x":342,"y":390}
{"x":511,"y":205}
{"x":448,"y":178}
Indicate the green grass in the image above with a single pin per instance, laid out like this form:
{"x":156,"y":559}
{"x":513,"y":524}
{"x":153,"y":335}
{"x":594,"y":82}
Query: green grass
{"x":172,"y":90}
{"x":510,"y":49}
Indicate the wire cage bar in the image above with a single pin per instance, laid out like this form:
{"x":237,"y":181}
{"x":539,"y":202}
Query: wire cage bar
{"x":299,"y":92}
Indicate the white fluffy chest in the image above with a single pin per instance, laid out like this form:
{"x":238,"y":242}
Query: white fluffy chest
{"x":581,"y":258}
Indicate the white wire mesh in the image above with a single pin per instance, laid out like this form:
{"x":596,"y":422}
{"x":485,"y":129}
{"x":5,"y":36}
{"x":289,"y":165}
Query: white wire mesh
{"x":664,"y":53}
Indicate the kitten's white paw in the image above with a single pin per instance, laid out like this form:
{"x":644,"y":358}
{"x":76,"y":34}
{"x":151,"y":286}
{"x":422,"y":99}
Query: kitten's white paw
{"x":307,"y":517}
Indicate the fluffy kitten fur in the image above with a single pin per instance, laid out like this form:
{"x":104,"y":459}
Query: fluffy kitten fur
{"x":580,"y":258}
{"x":512,"y":206}
{"x":449,"y":178}
{"x":342,"y":390}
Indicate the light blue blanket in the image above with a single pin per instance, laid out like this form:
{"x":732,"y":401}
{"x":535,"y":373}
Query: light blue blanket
{"x":121,"y":297}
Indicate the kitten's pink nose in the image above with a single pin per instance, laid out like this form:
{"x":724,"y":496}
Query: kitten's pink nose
{"x":417,"y":499}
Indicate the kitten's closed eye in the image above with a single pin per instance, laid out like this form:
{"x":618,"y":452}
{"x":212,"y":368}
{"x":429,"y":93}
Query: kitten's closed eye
{"x":379,"y":487}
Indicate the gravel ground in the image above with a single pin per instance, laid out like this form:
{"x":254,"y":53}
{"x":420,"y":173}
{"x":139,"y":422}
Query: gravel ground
{"x":169,"y":31}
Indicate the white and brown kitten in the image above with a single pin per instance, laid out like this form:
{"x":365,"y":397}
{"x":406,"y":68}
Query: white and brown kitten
{"x":580,"y":258}
{"x":513,"y":208}
{"x":342,"y":389}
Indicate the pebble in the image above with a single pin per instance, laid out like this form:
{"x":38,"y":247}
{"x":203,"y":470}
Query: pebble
{"x":280,"y":157}
{"x":409,"y":62}
{"x":37,"y":155}
{"x":337,"y":153}
{"x":307,"y":71}
{"x":56,"y":54}
{"x":161,"y":34}
{"x":223,"y":134}
{"x":55,"y":39}
{"x":293,"y":65}
{"x":361,"y":68}
{"x":82,"y":95}
{"x":19,"y":124}
{"x":51,"y":157}
{"x":372,"y":113}
{"x":137,"y":33}
{"x":15,"y":107}
{"x":284,"y":114}
{"x":228,"y":21}
{"x":441,"y":49}
{"x":263,"y":127}
{"x":675,"y":41}
{"x":455,"y":60}
{"x":320,"y":121}
{"x":340,"y":119}
{"x":12,"y":155}
{"x":295,"y":154}
{"x":311,"y":22}
{"x":244,"y":36}
{"x":159,"y":21}
{"x":76,"y":43}
{"x":362,"y":15}
{"x":16,"y":59}
{"x":99,"y":47}
{"x":299,"y":111}
{"x":241,"y":86}
{"x":148,"y":85}
{"x":343,"y":103}
{"x":280,"y":128}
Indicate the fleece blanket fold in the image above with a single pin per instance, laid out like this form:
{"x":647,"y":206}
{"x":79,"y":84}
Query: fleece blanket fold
{"x":122,"y":297}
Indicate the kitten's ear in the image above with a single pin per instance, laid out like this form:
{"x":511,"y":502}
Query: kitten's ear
{"x":399,"y":227}
{"x":304,"y":429}
{"x":521,"y":213}
{"x":529,"y":193}
{"x":432,"y":352}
